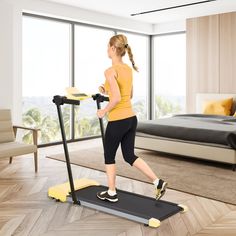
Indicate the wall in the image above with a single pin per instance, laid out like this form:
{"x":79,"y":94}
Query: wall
{"x":6,"y":55}
{"x":211,"y":60}
{"x":169,"y":27}
{"x":228,"y":53}
{"x":202,"y":61}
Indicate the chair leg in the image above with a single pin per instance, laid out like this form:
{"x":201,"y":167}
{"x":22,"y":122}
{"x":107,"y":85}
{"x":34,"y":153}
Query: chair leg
{"x":36,"y":161}
{"x":10,"y":160}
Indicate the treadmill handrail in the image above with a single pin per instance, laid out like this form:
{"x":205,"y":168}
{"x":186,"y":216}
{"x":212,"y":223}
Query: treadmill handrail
{"x":100,"y":98}
{"x":61,"y":100}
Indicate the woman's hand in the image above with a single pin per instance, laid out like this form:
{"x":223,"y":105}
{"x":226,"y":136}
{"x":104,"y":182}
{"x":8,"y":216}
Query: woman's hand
{"x":101,"y":113}
{"x":101,"y":89}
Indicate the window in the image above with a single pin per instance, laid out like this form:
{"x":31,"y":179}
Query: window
{"x":139,"y":46}
{"x":169,"y":74}
{"x":46,"y":72}
{"x":91,"y":60}
{"x":48,"y":63}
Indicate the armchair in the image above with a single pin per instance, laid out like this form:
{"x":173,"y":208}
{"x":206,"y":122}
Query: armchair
{"x":9,"y":147}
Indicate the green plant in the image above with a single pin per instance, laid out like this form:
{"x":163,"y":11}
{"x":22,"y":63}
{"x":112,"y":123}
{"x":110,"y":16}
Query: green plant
{"x":165,"y":107}
{"x":48,"y":126}
{"x":139,"y":110}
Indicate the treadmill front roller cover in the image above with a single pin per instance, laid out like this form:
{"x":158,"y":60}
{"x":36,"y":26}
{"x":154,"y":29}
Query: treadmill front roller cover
{"x":61,"y":191}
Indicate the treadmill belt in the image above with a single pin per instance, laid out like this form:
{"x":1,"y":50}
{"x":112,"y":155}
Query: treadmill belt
{"x":129,"y":203}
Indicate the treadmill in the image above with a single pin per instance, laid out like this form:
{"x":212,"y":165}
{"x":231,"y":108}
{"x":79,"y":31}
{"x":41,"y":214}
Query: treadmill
{"x":136,"y":207}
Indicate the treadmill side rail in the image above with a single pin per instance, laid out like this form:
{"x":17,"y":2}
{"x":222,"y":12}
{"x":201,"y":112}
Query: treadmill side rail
{"x":150,"y":222}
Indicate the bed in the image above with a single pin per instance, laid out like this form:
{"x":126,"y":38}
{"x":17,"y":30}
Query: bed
{"x":196,"y":135}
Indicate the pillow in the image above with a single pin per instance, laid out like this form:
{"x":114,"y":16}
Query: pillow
{"x":219,"y":107}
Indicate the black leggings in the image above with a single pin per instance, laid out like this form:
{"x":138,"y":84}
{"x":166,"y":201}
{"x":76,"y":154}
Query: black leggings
{"x":120,"y":131}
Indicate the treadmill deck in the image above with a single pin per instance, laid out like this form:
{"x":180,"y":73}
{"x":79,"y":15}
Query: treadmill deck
{"x":130,"y":205}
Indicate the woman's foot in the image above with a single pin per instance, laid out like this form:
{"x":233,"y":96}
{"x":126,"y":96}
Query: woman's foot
{"x":105,"y":196}
{"x":161,"y":189}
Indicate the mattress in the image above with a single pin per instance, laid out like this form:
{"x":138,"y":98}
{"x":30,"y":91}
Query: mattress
{"x":204,"y":129}
{"x":143,"y":135}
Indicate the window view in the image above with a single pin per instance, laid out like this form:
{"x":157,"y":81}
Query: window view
{"x":139,"y":46}
{"x":91,"y":60}
{"x":170,"y":84}
{"x":46,"y":72}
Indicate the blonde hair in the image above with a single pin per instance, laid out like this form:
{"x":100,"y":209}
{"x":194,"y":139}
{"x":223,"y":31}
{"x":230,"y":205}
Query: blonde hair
{"x":120,"y":42}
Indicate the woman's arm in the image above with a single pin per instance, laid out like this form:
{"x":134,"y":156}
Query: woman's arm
{"x":115,"y":97}
{"x":131,"y":95}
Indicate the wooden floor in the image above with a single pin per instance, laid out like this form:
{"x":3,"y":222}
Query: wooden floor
{"x":25,"y":208}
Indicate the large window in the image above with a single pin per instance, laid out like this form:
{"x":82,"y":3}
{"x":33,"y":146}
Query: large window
{"x":91,"y":60}
{"x":46,"y":72}
{"x":59,"y":54}
{"x":139,"y":46}
{"x":169,"y":74}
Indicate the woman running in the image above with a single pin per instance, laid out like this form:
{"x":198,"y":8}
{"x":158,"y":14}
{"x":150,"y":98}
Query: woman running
{"x":122,"y":121}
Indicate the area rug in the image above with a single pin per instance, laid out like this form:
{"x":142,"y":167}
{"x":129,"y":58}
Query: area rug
{"x":207,"y":179}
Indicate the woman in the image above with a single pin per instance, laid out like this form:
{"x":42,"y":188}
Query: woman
{"x":122,"y":121}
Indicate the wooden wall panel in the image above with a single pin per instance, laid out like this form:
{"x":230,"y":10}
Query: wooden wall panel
{"x":228,"y":53}
{"x":202,"y":57}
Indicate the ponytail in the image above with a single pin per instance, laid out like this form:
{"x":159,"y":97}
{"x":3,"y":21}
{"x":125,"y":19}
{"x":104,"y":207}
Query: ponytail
{"x":130,"y":54}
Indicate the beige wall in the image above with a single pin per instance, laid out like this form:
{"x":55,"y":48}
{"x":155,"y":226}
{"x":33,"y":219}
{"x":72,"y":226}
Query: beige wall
{"x":228,"y":53}
{"x":211,"y":60}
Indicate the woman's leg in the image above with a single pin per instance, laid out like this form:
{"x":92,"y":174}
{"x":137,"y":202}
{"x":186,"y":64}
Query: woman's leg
{"x":127,"y":147}
{"x":140,"y":164}
{"x":111,"y":176}
{"x":110,"y":147}
{"x":113,"y":135}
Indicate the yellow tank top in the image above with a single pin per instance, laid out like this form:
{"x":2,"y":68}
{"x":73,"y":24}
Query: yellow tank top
{"x":124,"y":79}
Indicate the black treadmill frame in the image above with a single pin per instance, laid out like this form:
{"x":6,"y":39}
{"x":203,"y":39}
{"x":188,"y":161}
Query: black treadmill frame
{"x":59,"y":101}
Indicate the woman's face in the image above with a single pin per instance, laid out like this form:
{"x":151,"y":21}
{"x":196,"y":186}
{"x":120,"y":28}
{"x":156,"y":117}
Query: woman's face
{"x":110,"y":50}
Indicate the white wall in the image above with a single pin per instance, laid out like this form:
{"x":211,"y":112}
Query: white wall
{"x":6,"y":55}
{"x":82,"y":15}
{"x":10,"y":58}
{"x":169,"y":27}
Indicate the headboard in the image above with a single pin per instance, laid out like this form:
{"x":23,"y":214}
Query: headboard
{"x":204,"y":97}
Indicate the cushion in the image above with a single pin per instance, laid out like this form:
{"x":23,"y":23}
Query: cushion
{"x":15,"y":149}
{"x":219,"y":107}
{"x":6,"y":129}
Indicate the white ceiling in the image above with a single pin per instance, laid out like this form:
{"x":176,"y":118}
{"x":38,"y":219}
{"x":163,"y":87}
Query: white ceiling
{"x":124,"y":8}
